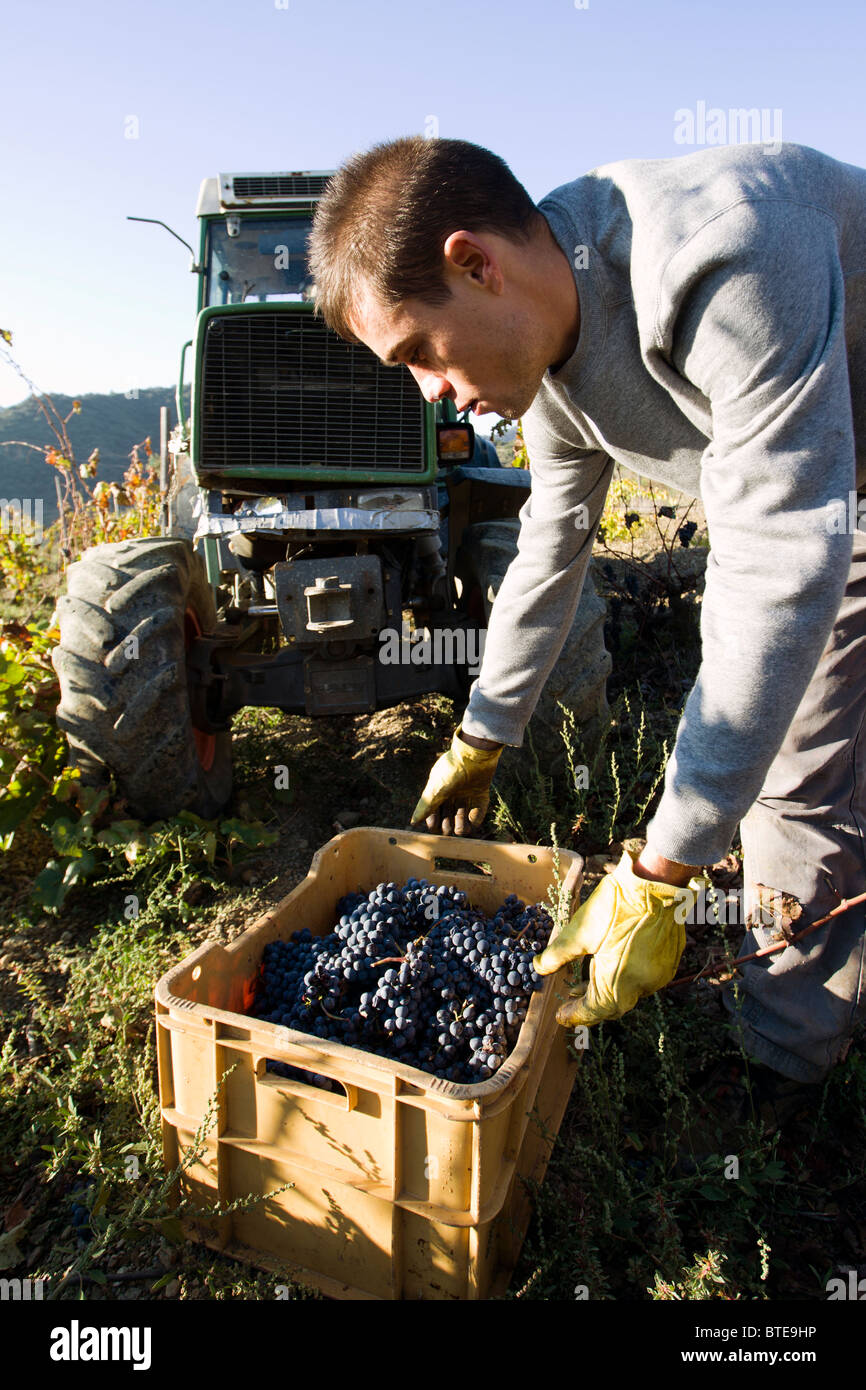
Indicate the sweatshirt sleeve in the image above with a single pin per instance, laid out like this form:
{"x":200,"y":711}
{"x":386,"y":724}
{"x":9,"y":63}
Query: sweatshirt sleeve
{"x":538,"y":597}
{"x":751,"y":313}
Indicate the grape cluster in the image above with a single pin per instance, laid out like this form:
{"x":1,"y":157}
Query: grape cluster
{"x":413,"y":973}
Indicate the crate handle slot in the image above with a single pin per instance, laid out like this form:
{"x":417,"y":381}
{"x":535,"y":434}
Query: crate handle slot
{"x":444,"y":864}
{"x":346,"y":1098}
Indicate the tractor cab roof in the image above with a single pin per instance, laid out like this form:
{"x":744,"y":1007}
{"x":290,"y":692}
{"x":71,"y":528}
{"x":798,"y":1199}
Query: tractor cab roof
{"x":298,"y":189}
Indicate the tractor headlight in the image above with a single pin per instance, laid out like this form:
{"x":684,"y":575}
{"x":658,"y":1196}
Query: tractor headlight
{"x":404,"y":500}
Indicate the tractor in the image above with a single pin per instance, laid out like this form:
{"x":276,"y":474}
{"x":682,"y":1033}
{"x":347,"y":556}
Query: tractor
{"x":331,"y":543}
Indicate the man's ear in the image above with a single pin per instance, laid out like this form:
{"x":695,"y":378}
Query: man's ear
{"x":473,"y":256}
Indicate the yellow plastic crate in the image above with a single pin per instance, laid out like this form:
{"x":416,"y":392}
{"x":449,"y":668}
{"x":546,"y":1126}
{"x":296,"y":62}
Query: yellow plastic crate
{"x":403,"y":1185}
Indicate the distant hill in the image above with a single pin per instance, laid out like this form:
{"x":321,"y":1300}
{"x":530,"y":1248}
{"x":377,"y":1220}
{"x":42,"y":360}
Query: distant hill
{"x":111,"y":423}
{"x":504,"y":443}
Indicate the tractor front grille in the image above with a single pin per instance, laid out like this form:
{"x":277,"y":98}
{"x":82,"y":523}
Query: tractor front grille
{"x":282,"y":390}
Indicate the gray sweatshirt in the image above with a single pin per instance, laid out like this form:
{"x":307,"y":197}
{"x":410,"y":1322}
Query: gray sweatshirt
{"x":723,"y":314}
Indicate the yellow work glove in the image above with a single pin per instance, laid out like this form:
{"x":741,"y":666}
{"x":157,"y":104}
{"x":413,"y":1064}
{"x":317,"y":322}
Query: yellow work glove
{"x":459,"y":784}
{"x":628,"y":927}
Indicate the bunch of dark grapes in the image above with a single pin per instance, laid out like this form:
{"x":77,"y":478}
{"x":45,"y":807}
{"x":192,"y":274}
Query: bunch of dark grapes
{"x":413,"y":973}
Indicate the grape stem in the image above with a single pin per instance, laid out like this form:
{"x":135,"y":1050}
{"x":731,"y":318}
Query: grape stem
{"x":388,"y":960}
{"x":709,"y":971}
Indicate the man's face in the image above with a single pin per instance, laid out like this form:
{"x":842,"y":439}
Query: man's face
{"x":482,"y":348}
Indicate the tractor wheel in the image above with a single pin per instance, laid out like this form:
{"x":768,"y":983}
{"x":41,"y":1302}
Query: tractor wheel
{"x":578,"y":679}
{"x":129,"y":616}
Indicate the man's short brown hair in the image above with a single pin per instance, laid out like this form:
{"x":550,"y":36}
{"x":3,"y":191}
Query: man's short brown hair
{"x":386,"y":214}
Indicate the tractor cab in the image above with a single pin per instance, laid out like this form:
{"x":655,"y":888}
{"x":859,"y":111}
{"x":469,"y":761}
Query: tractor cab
{"x":257,"y":260}
{"x":254,"y":230}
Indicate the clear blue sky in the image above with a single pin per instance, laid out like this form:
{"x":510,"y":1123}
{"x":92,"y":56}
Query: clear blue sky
{"x":97,"y":303}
